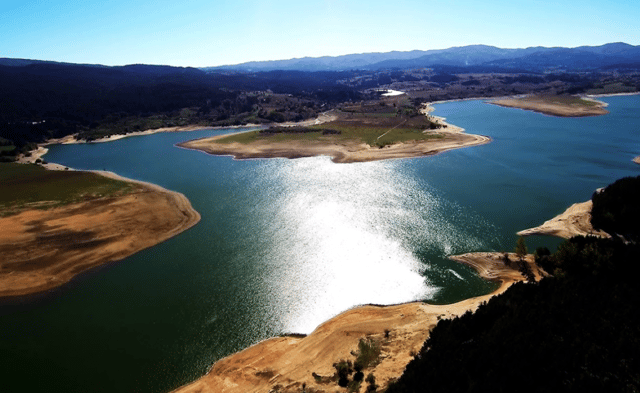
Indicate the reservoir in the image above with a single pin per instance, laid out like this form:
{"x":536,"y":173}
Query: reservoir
{"x":284,"y":245}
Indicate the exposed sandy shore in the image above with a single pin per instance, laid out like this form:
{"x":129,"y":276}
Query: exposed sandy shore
{"x":547,"y":107}
{"x":634,"y":93}
{"x":340,"y":151}
{"x":284,"y":364}
{"x":71,"y":139}
{"x":43,"y":249}
{"x":637,"y":160}
{"x":575,"y":221}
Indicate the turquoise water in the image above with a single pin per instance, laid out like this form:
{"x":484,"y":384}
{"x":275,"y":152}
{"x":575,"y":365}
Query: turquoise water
{"x":286,"y":244}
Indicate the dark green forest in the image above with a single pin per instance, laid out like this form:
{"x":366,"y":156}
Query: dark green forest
{"x":616,"y":209}
{"x":577,"y":331}
{"x":50,"y":100}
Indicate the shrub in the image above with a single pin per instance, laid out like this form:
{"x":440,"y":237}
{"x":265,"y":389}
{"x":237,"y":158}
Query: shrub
{"x":368,"y":353}
{"x":343,"y":370}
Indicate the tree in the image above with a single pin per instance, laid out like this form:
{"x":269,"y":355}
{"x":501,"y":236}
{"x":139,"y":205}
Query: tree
{"x":521,"y":248}
{"x":505,"y":259}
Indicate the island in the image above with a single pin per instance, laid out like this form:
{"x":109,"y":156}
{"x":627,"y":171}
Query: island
{"x":58,"y":224}
{"x":390,"y":335}
{"x":391,"y":127}
{"x":556,"y":105}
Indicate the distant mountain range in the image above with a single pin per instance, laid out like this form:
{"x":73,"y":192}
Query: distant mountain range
{"x":536,"y":58}
{"x":473,"y":58}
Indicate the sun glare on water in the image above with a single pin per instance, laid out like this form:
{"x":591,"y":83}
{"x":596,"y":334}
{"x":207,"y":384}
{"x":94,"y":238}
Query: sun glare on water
{"x":341,"y":235}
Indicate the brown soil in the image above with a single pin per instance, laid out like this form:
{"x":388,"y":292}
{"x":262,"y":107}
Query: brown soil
{"x":43,"y":249}
{"x":548,"y":107}
{"x":285,"y":364}
{"x":575,"y":221}
{"x":341,"y":152}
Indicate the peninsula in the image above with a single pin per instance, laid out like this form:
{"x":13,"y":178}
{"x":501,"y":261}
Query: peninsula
{"x":575,"y":221}
{"x":58,"y":224}
{"x":292,"y":364}
{"x":556,"y":105}
{"x":389,"y":128}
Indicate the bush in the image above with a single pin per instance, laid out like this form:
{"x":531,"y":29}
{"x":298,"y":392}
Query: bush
{"x":368,"y":353}
{"x":343,"y":370}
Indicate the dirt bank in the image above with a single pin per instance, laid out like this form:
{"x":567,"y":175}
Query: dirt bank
{"x":43,"y":249}
{"x":575,"y":221}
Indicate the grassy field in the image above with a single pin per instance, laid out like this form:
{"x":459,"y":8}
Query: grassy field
{"x":561,"y":100}
{"x":25,"y":185}
{"x":375,"y":125}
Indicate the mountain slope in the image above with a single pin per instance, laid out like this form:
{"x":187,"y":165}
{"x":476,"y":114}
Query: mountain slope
{"x":584,"y":57}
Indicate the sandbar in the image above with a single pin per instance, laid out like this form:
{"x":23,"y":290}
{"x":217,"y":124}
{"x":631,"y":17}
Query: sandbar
{"x":73,"y":139}
{"x":340,"y":150}
{"x":637,"y":160}
{"x":44,"y":249}
{"x":575,"y":221}
{"x":555,"y":106}
{"x":284,"y":364}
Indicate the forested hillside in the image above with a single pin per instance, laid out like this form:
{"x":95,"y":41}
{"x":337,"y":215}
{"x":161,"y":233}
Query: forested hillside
{"x":578,"y":331}
{"x":44,"y":100}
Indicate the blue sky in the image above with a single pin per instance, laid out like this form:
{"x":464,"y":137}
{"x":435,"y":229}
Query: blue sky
{"x":204,"y":33}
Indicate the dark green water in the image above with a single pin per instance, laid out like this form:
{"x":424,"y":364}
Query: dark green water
{"x":285,"y":244}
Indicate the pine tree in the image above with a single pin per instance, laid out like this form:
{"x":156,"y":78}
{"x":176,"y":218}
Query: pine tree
{"x":521,"y":248}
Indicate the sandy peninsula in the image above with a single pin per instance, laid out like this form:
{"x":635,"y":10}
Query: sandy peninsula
{"x":637,"y":160}
{"x":286,"y":364}
{"x":43,"y":249}
{"x":341,"y":150}
{"x":575,"y":221}
{"x":556,"y":105}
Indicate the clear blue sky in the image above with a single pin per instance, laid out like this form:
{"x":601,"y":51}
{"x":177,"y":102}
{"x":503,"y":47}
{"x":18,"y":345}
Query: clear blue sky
{"x":204,"y":33}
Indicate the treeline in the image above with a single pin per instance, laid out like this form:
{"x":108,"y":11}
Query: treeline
{"x":578,"y":331}
{"x":44,"y":100}
{"x":617,"y":209}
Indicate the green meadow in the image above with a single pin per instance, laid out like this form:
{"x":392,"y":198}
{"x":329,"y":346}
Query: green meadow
{"x":23,"y":185}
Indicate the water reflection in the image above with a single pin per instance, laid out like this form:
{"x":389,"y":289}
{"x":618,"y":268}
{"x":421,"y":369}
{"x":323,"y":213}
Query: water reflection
{"x":336,"y":236}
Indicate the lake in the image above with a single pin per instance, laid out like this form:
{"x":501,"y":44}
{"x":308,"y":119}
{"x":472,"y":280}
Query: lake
{"x":284,"y":245}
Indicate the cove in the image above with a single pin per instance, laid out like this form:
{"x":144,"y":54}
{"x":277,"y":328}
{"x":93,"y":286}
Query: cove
{"x":286,"y":244}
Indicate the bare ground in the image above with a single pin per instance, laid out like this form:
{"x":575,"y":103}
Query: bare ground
{"x":286,"y":364}
{"x":575,"y":221}
{"x":43,"y":249}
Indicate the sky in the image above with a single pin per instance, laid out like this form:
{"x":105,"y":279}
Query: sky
{"x":201,"y":33}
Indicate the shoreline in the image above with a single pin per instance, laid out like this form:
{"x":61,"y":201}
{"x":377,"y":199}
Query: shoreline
{"x":72,"y":139}
{"x":49,"y":248}
{"x":286,"y":364}
{"x":635,"y":93}
{"x":575,"y":221}
{"x":344,"y":151}
{"x":636,"y":160}
{"x":158,"y":204}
